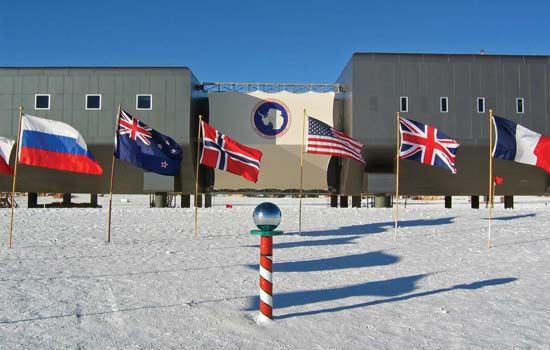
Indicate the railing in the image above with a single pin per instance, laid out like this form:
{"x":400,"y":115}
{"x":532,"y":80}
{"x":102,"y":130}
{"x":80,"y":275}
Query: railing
{"x":269,"y":87}
{"x":6,"y":200}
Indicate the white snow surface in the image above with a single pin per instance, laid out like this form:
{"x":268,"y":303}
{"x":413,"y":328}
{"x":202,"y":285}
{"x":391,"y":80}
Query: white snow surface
{"x":343,"y":283}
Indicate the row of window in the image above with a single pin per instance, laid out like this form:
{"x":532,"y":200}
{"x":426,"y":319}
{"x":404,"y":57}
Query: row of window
{"x":444,"y":104}
{"x":92,"y":102}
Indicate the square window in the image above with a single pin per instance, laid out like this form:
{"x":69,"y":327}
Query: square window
{"x":93,"y":102}
{"x":520,"y":105}
{"x":42,"y":101}
{"x":404,"y":104}
{"x":481,"y":104}
{"x":444,"y":104}
{"x":144,"y":102}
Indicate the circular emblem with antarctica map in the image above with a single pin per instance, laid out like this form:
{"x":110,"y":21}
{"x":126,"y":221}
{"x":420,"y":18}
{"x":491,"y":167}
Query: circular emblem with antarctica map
{"x":271,"y":118}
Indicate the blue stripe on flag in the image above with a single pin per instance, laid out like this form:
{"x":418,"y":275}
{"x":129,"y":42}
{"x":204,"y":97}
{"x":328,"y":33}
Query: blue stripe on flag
{"x":52,"y":143}
{"x":505,"y":146}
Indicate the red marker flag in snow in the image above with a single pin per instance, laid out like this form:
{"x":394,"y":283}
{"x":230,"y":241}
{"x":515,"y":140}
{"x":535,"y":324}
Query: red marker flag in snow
{"x":222,"y":152}
{"x":498,"y":180}
{"x":5,"y":150}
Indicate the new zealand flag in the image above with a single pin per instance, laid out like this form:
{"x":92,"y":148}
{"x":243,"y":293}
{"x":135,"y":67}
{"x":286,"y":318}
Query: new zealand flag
{"x":146,"y":148}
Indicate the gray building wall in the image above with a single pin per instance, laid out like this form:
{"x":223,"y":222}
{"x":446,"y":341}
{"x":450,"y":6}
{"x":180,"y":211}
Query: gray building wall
{"x":375,"y":82}
{"x":174,"y":102}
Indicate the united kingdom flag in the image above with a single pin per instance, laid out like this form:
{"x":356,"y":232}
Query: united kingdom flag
{"x":222,"y":152}
{"x":424,"y":143}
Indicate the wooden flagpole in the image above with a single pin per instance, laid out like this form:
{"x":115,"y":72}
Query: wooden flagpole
{"x":301,"y":172}
{"x":197,"y":177}
{"x":397,"y":151}
{"x":112,"y":176}
{"x":14,"y":180}
{"x":490,"y":192}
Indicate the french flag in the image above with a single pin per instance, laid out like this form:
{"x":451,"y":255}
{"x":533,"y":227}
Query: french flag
{"x":517,"y":143}
{"x":55,"y":145}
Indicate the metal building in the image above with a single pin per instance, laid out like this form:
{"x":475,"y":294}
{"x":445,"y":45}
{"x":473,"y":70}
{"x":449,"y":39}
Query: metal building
{"x":88,"y":99}
{"x":454,"y":93}
{"x":451,"y":92}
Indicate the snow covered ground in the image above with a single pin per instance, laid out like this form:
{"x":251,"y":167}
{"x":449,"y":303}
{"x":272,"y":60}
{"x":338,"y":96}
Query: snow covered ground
{"x":344,"y":283}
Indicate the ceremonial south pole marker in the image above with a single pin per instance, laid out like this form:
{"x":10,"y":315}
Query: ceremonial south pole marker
{"x":267,"y":216}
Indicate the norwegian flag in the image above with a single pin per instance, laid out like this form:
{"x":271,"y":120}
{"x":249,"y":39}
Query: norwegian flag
{"x":222,"y":152}
{"x":424,"y":143}
{"x":128,"y":125}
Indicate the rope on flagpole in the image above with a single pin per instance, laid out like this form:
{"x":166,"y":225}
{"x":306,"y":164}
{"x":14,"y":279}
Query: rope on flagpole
{"x":490,"y":192}
{"x":197,"y":177}
{"x":301,"y":172}
{"x":112,"y":177}
{"x":14,"y":180}
{"x":397,"y":149}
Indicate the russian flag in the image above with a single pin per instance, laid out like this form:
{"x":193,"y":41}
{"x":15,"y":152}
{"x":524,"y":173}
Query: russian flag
{"x":517,"y":143}
{"x":55,"y":145}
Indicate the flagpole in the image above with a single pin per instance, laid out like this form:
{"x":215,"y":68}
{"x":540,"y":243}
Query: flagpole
{"x":14,"y":180}
{"x":490,"y":192}
{"x":112,"y":177}
{"x":301,"y":172}
{"x":397,"y":144}
{"x":197,"y":176}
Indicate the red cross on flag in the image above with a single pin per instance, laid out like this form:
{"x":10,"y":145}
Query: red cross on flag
{"x":424,"y":143}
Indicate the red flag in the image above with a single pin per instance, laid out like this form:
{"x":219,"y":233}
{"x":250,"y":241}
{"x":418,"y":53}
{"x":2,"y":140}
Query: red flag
{"x":222,"y":152}
{"x":498,"y":180}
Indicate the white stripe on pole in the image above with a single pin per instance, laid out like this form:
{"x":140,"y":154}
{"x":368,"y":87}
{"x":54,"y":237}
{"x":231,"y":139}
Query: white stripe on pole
{"x":266,"y":298}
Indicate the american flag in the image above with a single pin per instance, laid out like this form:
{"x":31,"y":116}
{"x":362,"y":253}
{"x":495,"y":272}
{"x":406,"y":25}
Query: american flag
{"x":425,"y":144}
{"x":324,"y":139}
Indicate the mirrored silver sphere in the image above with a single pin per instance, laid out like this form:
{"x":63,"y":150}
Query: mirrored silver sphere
{"x":267,"y":216}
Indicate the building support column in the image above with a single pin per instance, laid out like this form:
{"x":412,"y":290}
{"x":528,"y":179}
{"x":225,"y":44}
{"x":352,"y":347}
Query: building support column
{"x":93,"y":200}
{"x":448,"y":202}
{"x":199,"y":201}
{"x":382,"y":201}
{"x":160,"y":199}
{"x":356,"y":201}
{"x":66,"y":200}
{"x":474,"y":200}
{"x":185,"y":200}
{"x":343,"y":201}
{"x":508,"y":202}
{"x":333,"y":201}
{"x":208,"y":200}
{"x":32,"y":200}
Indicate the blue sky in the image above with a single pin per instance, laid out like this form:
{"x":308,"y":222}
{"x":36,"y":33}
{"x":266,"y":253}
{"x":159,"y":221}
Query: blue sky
{"x":264,"y":41}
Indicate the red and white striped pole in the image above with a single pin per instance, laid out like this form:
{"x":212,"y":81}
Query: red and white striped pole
{"x":267,"y":216}
{"x":266,"y":281}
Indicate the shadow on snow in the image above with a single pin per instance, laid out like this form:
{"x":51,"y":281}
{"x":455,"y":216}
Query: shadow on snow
{"x":354,"y":231}
{"x":311,"y":243}
{"x":374,"y":227}
{"x":394,"y":290}
{"x":353,"y":261}
{"x":513,"y":217}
